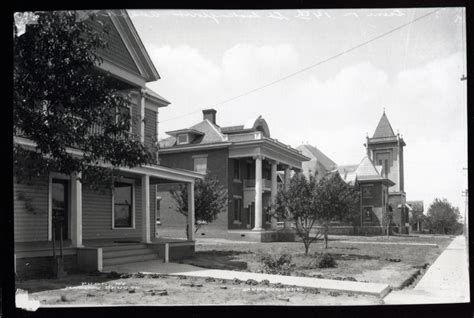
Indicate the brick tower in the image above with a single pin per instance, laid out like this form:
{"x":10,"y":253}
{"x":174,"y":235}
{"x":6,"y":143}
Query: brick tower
{"x":386,"y":149}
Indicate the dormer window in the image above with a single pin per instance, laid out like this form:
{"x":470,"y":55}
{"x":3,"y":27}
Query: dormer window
{"x":183,"y":139}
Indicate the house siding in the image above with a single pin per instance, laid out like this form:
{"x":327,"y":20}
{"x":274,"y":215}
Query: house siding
{"x":116,"y":51}
{"x":150,"y":131}
{"x":97,"y":215}
{"x":31,"y":225}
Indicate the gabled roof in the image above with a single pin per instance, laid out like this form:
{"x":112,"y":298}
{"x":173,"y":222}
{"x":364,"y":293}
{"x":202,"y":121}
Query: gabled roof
{"x":384,"y":129}
{"x":315,"y":153}
{"x":163,"y":102}
{"x":348,"y":173}
{"x":367,"y":169}
{"x":417,"y":206}
{"x":174,"y":133}
{"x":206,"y":131}
{"x":364,"y":171}
{"x":125,"y":46}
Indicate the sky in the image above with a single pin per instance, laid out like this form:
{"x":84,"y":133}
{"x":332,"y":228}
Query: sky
{"x":206,"y":57}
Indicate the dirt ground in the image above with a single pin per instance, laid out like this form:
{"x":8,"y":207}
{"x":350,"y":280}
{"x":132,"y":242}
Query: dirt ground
{"x":173,"y":290}
{"x":393,"y":264}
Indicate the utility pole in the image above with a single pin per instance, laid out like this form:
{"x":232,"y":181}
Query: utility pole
{"x":466,"y":214}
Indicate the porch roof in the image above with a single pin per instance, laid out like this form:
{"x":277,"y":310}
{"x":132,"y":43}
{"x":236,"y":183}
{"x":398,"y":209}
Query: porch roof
{"x":166,"y":174}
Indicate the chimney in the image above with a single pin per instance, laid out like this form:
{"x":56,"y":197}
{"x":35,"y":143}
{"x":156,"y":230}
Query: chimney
{"x":209,"y":114}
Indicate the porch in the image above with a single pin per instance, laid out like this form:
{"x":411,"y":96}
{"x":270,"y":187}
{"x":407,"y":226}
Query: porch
{"x":261,"y":165}
{"x":37,"y":258}
{"x":98,"y":227}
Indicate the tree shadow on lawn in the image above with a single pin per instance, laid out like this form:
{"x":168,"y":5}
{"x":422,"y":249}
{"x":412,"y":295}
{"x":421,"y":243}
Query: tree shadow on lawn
{"x":72,"y":280}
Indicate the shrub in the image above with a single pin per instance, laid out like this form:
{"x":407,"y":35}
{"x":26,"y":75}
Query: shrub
{"x":277,"y":264}
{"x":326,"y":261}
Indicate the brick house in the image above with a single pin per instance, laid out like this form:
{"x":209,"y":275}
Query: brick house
{"x":102,"y":228}
{"x":246,"y":161}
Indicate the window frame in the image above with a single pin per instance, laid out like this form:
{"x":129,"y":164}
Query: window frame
{"x":237,"y":220}
{"x":239,"y":171}
{"x":371,"y":214}
{"x":182,"y":142}
{"x":132,"y":183}
{"x":195,"y":158}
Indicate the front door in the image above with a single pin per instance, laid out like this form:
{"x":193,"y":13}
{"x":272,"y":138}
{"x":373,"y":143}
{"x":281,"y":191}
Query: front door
{"x":60,"y":208}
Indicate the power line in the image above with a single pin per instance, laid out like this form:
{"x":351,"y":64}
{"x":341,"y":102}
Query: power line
{"x":308,"y":67}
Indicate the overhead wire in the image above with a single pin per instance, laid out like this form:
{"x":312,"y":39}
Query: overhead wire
{"x":309,"y":67}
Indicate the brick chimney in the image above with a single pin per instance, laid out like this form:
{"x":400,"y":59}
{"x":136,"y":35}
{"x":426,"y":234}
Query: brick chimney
{"x":209,"y":114}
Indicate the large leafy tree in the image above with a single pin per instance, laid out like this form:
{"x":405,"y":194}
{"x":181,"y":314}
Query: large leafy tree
{"x":210,"y":199}
{"x":335,"y":201}
{"x":313,"y":205}
{"x":443,"y":218}
{"x":296,"y":203}
{"x":62,"y":101}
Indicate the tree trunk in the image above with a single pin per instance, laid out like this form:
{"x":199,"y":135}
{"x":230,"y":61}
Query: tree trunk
{"x":187,"y":232}
{"x":326,"y":235}
{"x":306,"y":249}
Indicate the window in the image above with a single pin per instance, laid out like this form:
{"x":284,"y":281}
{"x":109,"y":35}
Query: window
{"x":236,"y":169}
{"x":238,"y":210}
{"x":366,"y":191}
{"x":385,"y":168}
{"x":157,"y":210}
{"x":368,"y":213}
{"x":249,"y":170}
{"x":123,"y":209}
{"x":183,"y":139}
{"x":200,"y":164}
{"x":124,"y":112}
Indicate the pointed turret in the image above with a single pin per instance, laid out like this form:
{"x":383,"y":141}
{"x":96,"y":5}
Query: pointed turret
{"x":384,"y":129}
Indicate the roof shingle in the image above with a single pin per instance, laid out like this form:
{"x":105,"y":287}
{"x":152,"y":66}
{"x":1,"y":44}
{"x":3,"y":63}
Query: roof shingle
{"x":384,"y":129}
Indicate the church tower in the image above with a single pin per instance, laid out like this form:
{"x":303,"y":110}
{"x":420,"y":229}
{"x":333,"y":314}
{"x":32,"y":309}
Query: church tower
{"x":386,"y":149}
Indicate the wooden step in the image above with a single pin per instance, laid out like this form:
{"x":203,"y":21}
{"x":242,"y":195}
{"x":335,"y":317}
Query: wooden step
{"x":129,"y":252}
{"x":123,"y":247}
{"x":129,"y":259}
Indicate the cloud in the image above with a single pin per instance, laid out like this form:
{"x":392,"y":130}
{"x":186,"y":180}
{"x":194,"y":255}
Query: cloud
{"x":186,"y":75}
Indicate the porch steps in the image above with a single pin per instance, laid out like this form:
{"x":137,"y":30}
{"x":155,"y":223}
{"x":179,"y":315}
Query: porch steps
{"x":124,"y":254}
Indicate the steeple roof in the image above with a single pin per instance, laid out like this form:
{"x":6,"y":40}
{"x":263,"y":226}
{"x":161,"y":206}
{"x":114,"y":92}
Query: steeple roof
{"x":384,"y":129}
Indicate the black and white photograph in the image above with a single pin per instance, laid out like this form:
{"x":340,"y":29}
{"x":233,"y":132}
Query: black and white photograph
{"x":275,"y":157}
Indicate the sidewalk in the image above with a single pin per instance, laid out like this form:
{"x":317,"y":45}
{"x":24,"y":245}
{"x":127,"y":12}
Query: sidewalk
{"x":446,"y":281}
{"x":159,"y":267}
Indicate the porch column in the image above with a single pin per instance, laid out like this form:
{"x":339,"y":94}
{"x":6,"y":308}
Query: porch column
{"x":287,"y":176}
{"x":142,"y":115}
{"x":258,"y":193}
{"x":190,"y":220}
{"x":274,"y":190}
{"x":146,"y":209}
{"x":76,"y":211}
{"x":287,"y":224}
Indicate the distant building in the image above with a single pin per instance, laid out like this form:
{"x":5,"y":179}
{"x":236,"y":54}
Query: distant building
{"x":374,"y":187}
{"x":386,"y":149}
{"x":246,"y":161}
{"x":319,"y":164}
{"x":380,"y":177}
{"x":416,"y":215}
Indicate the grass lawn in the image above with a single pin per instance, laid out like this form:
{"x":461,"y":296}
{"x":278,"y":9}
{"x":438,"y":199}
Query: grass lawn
{"x":373,"y":262}
{"x":173,"y":290}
